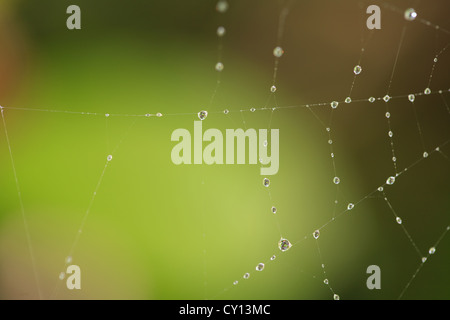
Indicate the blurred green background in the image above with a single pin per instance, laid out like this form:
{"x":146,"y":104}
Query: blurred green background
{"x":161,"y":231}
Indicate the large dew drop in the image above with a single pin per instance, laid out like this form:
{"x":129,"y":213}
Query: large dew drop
{"x":390,"y":180}
{"x":334,"y":104}
{"x":284,"y":244}
{"x":357,"y":69}
{"x":202,"y":115}
{"x":410,"y":14}
{"x":278,"y":52}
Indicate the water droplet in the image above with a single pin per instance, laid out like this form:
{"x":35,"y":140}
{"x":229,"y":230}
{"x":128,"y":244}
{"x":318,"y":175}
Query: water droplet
{"x":399,"y":220}
{"x":350,"y":206}
{"x":226,"y":111}
{"x":109,"y":158}
{"x":432,"y":250}
{"x":219,"y":66}
{"x":394,"y":159}
{"x":61,"y":276}
{"x":328,"y":129}
{"x":357,"y":69}
{"x":388,"y":115}
{"x":386,"y":98}
{"x":336,"y":297}
{"x":427,"y":91}
{"x":323,"y":266}
{"x":316,"y":234}
{"x":334,"y":104}
{"x":411,"y":97}
{"x":273,"y":257}
{"x":107,"y":115}
{"x":246,"y":276}
{"x":202,"y":115}
{"x":222,"y":6}
{"x":348,"y":100}
{"x":330,"y":141}
{"x":265,"y":143}
{"x":235,"y":282}
{"x":68,"y":259}
{"x":266,"y":182}
{"x":147,"y":115}
{"x":274,"y":210}
{"x":221,"y":31}
{"x":159,"y":114}
{"x":252,"y":109}
{"x":336,"y":180}
{"x":425,"y":154}
{"x":325,"y":281}
{"x":390,"y":180}
{"x":284,"y":244}
{"x":260,"y":267}
{"x":332,"y":155}
{"x":371,"y":99}
{"x":278,"y":52}
{"x":380,"y":189}
{"x":435,"y":60}
{"x":273,"y":89}
{"x":410,"y":14}
{"x":390,"y":134}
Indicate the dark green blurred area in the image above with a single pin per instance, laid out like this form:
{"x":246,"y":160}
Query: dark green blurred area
{"x":160,"y":231}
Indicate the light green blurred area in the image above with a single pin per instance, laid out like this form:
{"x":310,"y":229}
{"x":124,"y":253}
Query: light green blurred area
{"x":161,"y":231}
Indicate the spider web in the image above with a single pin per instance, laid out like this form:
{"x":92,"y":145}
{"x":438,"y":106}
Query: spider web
{"x":365,"y":219}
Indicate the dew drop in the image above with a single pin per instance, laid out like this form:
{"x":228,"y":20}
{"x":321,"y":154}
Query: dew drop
{"x":159,"y":114}
{"x":371,"y":99}
{"x":202,"y":115}
{"x":357,"y":69}
{"x":274,"y":210}
{"x":399,"y":220}
{"x":266,"y":182}
{"x":336,"y":180}
{"x":221,"y":31}
{"x":252,"y":109}
{"x":109,"y":158}
{"x":273,"y":89}
{"x":411,"y":97}
{"x":380,"y":189}
{"x":265,"y":143}
{"x":424,"y":259}
{"x":69,"y":259}
{"x":278,"y":52}
{"x":246,"y":276}
{"x":390,"y":134}
{"x":325,"y":281}
{"x":390,"y":180}
{"x":386,"y":98}
{"x":284,"y":244}
{"x":388,"y":115}
{"x":219,"y":66}
{"x":350,"y":206}
{"x":61,"y":276}
{"x":222,"y":6}
{"x":147,"y":115}
{"x":316,"y":234}
{"x":427,"y":91}
{"x":334,"y":104}
{"x":330,"y":141}
{"x":432,"y":250}
{"x":410,"y":14}
{"x":235,"y":282}
{"x":273,"y":257}
{"x":425,"y":154}
{"x":435,"y":60}
{"x":348,"y":100}
{"x":336,"y":297}
{"x":226,"y":111}
{"x":260,"y":267}
{"x":107,"y":115}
